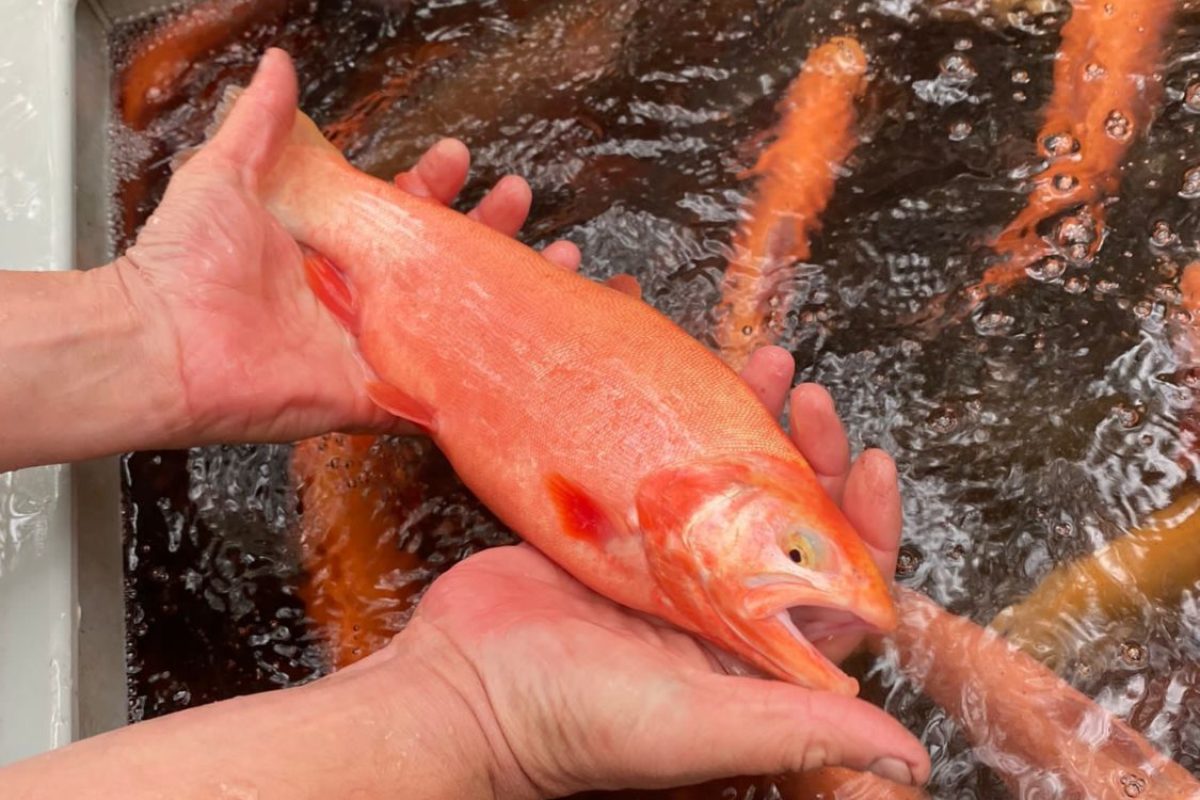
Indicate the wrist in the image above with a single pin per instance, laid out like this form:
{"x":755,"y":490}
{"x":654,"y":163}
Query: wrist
{"x":425,"y":688}
{"x":85,"y":376}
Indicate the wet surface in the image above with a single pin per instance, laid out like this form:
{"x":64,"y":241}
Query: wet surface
{"x":1028,"y":434}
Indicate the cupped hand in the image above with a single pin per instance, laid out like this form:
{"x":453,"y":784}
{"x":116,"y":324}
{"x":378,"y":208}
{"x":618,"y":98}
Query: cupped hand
{"x":222,"y":290}
{"x":578,"y":692}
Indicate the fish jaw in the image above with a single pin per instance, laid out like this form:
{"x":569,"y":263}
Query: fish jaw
{"x":785,"y":621}
{"x":722,"y":540}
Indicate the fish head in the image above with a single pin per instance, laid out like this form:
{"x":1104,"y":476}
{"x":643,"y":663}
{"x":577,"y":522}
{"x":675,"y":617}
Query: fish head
{"x":755,"y":556}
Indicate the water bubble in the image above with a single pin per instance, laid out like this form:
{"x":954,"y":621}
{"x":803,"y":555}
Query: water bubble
{"x":1063,"y":528}
{"x":960,"y":130}
{"x":1020,"y":76}
{"x":1191,"y":97}
{"x":1133,"y":653}
{"x":1076,"y":284}
{"x":1118,"y":126}
{"x":1191,"y":184}
{"x":1132,"y":785}
{"x":1047,"y":269}
{"x":747,"y":330}
{"x":1127,"y":416}
{"x":1094,"y":72}
{"x":1060,"y":144}
{"x":1065,"y":183}
{"x":1073,"y":230}
{"x":1162,"y":235}
{"x":958,"y":67}
{"x":907,"y":561}
{"x":943,"y":420}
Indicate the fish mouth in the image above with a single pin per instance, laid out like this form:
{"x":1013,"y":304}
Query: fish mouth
{"x":817,"y":623}
{"x":793,"y":618}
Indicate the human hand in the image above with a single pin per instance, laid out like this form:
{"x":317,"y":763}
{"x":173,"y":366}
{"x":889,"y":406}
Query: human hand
{"x":571,"y":691}
{"x":222,"y":290}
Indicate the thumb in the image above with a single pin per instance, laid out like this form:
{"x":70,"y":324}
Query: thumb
{"x":748,"y":726}
{"x":260,"y":119}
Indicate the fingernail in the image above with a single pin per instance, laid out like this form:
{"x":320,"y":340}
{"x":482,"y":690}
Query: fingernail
{"x":271,"y":53}
{"x":893,"y":769}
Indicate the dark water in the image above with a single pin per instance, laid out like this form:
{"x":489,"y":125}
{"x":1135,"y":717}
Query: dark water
{"x":1026,"y":435}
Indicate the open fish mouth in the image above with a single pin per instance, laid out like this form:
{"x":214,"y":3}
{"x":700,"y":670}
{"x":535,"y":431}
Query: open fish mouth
{"x":817,"y":623}
{"x":804,"y":621}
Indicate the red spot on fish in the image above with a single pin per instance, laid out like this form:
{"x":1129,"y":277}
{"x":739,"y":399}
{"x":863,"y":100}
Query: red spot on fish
{"x":396,"y":402}
{"x":580,"y":515}
{"x":327,"y":282}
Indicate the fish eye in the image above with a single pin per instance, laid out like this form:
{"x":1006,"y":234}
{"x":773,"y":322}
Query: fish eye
{"x":800,"y":549}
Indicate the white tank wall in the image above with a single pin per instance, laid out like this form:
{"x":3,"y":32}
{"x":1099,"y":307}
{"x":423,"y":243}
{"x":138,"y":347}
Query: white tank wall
{"x":61,"y":613}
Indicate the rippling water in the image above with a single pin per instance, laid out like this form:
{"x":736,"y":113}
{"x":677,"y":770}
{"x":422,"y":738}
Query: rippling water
{"x":1028,"y":435}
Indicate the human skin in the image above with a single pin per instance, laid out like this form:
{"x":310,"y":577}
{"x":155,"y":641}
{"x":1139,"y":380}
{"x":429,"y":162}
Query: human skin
{"x":205,"y":331}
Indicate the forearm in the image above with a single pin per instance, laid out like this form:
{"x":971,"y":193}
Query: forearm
{"x":82,"y":377}
{"x":347,"y":736}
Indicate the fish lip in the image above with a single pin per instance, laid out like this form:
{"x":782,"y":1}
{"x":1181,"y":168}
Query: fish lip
{"x":835,"y":673}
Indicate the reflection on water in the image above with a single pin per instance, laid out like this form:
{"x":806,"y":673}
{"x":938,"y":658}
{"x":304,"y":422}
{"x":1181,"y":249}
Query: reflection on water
{"x":1028,"y":435}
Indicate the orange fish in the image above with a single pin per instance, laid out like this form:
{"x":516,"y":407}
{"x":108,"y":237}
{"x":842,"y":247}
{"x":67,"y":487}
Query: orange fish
{"x":587,"y":421}
{"x":160,"y":60}
{"x":564,"y":48}
{"x":1145,"y":568}
{"x":797,"y":173}
{"x":1105,"y":91}
{"x":360,"y":582}
{"x":1038,"y":733}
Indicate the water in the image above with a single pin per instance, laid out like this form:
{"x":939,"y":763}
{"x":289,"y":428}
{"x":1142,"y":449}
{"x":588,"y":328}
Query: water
{"x":1050,"y":422}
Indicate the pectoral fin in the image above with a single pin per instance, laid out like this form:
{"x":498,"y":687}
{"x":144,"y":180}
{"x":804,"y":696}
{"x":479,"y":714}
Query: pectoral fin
{"x":330,"y":287}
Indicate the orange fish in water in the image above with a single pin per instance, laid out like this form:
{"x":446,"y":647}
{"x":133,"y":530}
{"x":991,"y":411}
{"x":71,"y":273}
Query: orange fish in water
{"x":1146,"y":568}
{"x":160,"y":61}
{"x":797,"y":174}
{"x":587,"y":421}
{"x":360,"y":582}
{"x":564,"y":48}
{"x":1105,"y":91}
{"x":1037,"y":732}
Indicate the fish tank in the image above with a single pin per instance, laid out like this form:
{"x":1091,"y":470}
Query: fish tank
{"x":994,"y":289}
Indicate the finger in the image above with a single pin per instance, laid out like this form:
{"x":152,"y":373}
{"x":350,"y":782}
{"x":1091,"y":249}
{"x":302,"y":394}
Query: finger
{"x":626,"y":284}
{"x":872,"y":505}
{"x":733,"y":726}
{"x":440,"y":173}
{"x":564,"y":254}
{"x":769,"y":373}
{"x":818,"y":433}
{"x":260,"y":119}
{"x":506,"y":206}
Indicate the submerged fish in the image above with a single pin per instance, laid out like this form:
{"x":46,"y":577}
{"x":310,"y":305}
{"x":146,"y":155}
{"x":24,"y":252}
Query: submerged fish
{"x":1044,"y":738}
{"x":359,"y":582}
{"x":1106,"y":87}
{"x":587,"y":421}
{"x":1150,"y":567}
{"x":797,"y":174}
{"x":567,"y":46}
{"x":161,"y":60}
